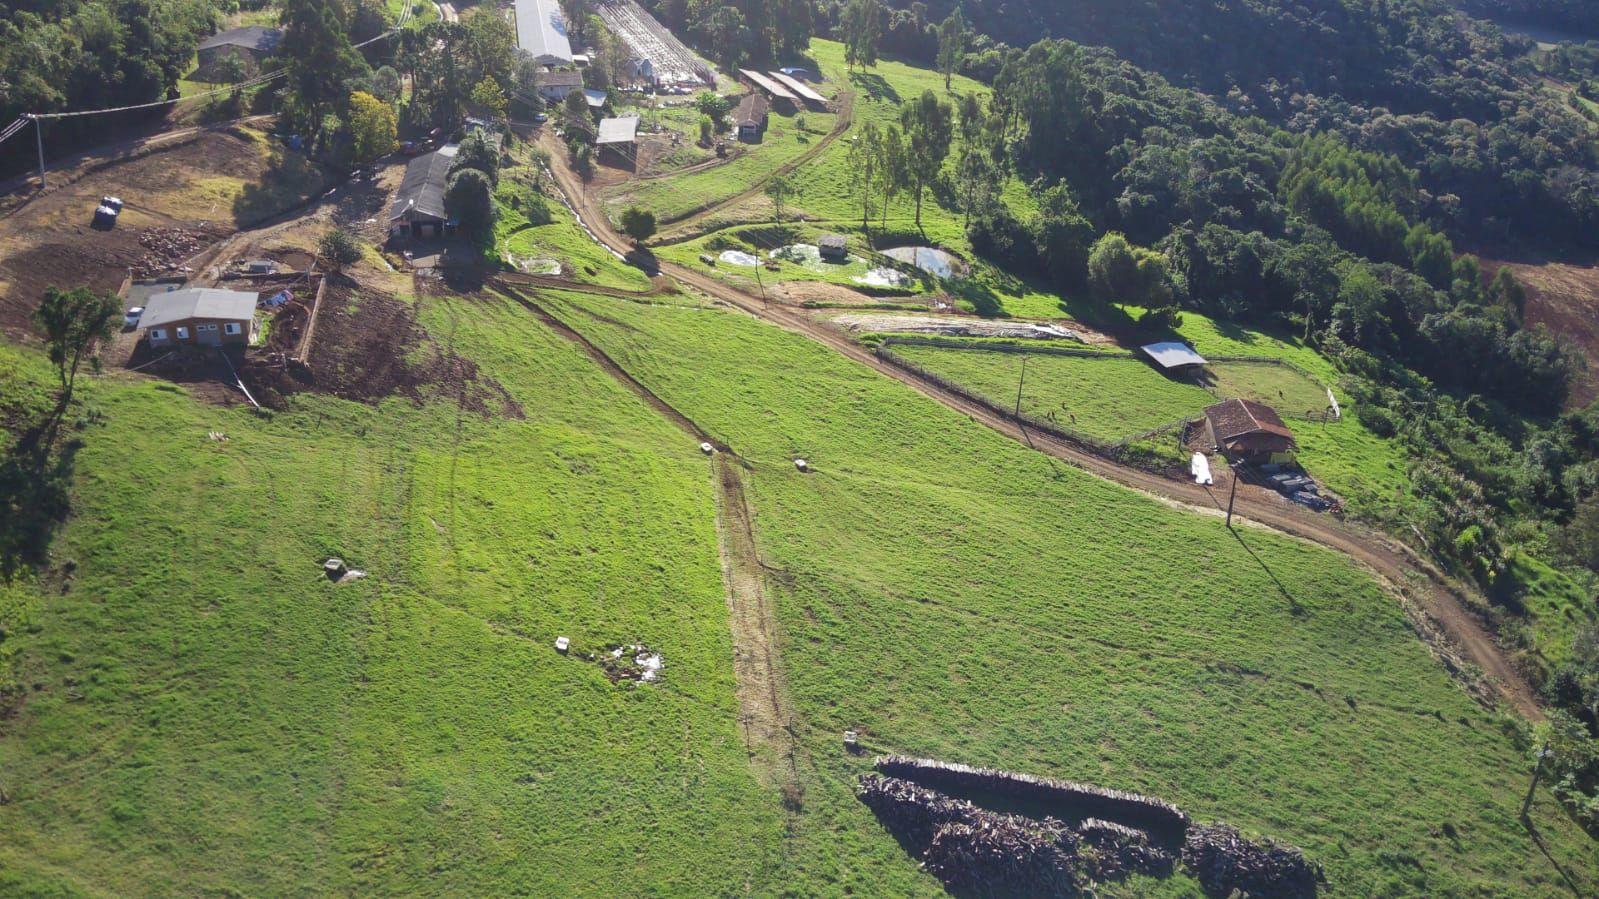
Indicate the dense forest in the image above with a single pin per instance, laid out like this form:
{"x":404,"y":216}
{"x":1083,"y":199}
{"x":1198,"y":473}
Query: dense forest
{"x":89,"y":54}
{"x":1501,"y":156}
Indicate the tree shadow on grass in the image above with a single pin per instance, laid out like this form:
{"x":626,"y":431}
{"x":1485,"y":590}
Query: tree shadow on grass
{"x":875,"y":86}
{"x":289,"y":180}
{"x":35,"y":492}
{"x":983,"y":298}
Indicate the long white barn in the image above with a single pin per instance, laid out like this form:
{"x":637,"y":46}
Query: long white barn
{"x":541,"y":31}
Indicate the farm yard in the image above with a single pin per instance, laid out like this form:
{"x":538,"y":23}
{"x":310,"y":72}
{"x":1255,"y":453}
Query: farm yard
{"x":569,"y":561}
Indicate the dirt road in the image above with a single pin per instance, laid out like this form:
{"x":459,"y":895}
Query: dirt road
{"x":679,"y":229}
{"x":1438,"y":610}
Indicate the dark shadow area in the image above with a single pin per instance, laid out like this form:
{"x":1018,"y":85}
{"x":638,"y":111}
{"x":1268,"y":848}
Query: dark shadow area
{"x":35,"y":492}
{"x":985,"y":301}
{"x":875,"y":86}
{"x":1537,"y":840}
{"x":290,"y":180}
{"x":645,"y":261}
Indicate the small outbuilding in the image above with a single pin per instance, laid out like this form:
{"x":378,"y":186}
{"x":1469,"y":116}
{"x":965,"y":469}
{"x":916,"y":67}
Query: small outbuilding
{"x":250,"y":45}
{"x":1173,"y":357}
{"x":833,"y":246}
{"x":1249,"y":432}
{"x":750,"y":117}
{"x":619,"y":136}
{"x":596,"y":98}
{"x":201,"y":316}
{"x":554,"y":86}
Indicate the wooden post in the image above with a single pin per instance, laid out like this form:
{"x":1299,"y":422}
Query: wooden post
{"x":38,"y":135}
{"x":1020,"y":380}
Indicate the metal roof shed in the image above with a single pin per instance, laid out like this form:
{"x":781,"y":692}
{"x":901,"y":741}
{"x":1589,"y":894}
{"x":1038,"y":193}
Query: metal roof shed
{"x":421,"y":193}
{"x":1172,"y":355}
{"x":198,"y":302}
{"x":541,"y":32}
{"x":622,"y":130}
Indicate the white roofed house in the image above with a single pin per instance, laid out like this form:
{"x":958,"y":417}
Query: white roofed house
{"x":554,"y":86}
{"x":541,"y":32}
{"x":200,"y":316}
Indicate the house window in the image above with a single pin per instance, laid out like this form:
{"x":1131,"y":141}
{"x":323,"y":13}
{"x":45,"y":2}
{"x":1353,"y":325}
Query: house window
{"x":230,"y":328}
{"x":183,"y":333}
{"x":158,"y":333}
{"x":205,"y":327}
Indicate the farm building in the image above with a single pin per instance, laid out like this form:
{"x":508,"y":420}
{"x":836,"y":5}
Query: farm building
{"x":780,"y":96}
{"x":199,"y":316}
{"x":750,"y":117}
{"x":250,"y":45}
{"x":418,"y":208}
{"x":799,"y":89}
{"x":1173,"y":357}
{"x":619,"y":136}
{"x":1249,"y":432}
{"x":541,"y":32}
{"x":554,"y":86}
{"x":833,"y":246}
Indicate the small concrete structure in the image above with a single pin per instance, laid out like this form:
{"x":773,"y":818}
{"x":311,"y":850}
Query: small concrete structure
{"x":834,"y":247}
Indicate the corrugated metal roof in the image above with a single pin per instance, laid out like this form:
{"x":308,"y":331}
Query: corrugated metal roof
{"x":767,"y":84}
{"x":797,"y":86}
{"x":623,"y":130}
{"x":1172,"y":354}
{"x":595,"y":97}
{"x":198,"y":302}
{"x":751,"y":110}
{"x":541,"y":31}
{"x":422,"y":190}
{"x":254,"y":37}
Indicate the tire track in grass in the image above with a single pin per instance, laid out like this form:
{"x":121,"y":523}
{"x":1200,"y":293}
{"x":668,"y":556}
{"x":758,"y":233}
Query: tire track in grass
{"x":766,"y":717}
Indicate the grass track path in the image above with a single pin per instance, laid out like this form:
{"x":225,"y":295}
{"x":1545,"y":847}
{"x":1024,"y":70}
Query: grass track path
{"x":1439,"y":601}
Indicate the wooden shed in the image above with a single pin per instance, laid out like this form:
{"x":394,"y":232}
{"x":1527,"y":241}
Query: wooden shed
{"x":1249,"y":432}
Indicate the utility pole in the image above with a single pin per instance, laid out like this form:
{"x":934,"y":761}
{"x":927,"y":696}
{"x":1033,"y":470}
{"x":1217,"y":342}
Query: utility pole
{"x":1537,"y":772}
{"x":765,"y":303}
{"x":38,"y":134}
{"x":1022,"y":379}
{"x":1231,"y":493}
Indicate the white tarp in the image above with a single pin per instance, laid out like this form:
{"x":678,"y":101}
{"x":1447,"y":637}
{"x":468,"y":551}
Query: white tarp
{"x":1199,"y":466}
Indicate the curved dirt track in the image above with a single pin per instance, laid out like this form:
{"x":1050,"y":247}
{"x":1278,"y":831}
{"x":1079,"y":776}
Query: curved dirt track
{"x":678,"y":230}
{"x":1433,"y":595}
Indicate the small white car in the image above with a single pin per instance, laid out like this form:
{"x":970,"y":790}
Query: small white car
{"x":130,"y":319}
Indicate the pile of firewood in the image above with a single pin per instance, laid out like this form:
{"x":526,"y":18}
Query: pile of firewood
{"x":1225,"y":863}
{"x":1160,"y":819}
{"x":166,"y":247}
{"x":972,"y":848}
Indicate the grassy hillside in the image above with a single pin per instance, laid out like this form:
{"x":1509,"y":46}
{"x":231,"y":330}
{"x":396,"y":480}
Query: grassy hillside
{"x":205,"y":713}
{"x":951,"y":594}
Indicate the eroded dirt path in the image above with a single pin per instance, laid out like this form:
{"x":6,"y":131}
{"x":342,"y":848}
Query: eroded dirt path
{"x":765,"y":715}
{"x":1436,"y":604}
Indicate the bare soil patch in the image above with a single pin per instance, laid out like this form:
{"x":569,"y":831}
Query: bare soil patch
{"x":370,"y":346}
{"x":1565,"y":299}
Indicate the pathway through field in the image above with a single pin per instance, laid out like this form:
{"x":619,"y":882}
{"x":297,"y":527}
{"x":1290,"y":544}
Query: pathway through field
{"x":764,"y":711}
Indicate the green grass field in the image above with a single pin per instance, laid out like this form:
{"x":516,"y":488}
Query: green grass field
{"x":1109,"y":398}
{"x":206,"y":714}
{"x":1284,"y":389}
{"x":952,"y":594}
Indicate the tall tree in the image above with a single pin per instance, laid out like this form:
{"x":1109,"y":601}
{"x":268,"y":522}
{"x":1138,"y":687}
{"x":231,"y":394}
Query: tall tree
{"x":72,"y":322}
{"x":639,"y":224}
{"x":320,"y":58}
{"x":951,"y":45}
{"x":866,"y":167}
{"x":778,"y":190}
{"x":862,"y":22}
{"x":372,"y":127}
{"x":929,"y":127}
{"x":895,"y":166}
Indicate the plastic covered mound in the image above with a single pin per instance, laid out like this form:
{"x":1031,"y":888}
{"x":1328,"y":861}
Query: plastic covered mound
{"x":801,"y":253}
{"x":929,"y":259}
{"x":536,"y":265}
{"x":736,"y":257}
{"x":885,"y":277}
